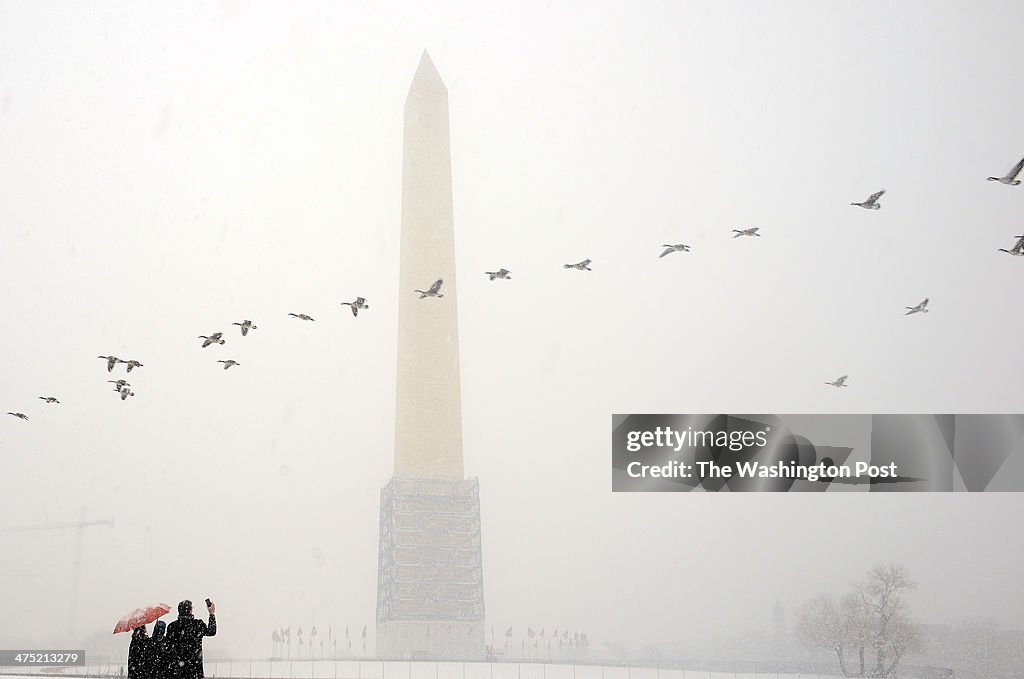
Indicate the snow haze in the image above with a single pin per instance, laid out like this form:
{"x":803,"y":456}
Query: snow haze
{"x":167,"y":170}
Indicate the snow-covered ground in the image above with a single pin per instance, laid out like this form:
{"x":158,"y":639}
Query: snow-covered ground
{"x":351,"y":669}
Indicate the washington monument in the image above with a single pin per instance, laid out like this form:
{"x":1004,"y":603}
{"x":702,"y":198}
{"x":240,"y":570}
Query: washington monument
{"x":430,"y":582}
{"x":428,"y":413}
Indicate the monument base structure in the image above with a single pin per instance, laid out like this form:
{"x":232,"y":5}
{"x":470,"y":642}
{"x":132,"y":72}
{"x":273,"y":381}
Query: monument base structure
{"x":430,"y":601}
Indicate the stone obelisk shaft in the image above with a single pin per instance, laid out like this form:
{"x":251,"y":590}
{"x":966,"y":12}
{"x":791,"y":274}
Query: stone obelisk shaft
{"x":428,"y":413}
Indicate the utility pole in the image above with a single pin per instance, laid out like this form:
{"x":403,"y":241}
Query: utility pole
{"x":79,"y":527}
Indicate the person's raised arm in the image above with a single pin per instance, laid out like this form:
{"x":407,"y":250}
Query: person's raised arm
{"x":211,"y":627}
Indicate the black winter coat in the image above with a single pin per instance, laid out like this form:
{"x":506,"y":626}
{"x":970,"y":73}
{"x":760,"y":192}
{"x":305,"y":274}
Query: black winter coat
{"x":138,"y":654}
{"x":159,"y":657}
{"x":185,"y":643}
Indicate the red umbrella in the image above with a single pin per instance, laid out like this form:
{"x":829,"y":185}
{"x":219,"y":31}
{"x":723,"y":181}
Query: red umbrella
{"x":141,"y":616}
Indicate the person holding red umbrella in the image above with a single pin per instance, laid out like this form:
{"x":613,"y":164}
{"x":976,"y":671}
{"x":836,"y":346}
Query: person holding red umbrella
{"x":140,"y":650}
{"x":138,"y":654}
{"x":185,"y":641}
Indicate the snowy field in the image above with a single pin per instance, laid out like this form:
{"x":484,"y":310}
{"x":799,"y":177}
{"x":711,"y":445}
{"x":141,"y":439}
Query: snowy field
{"x":350,"y":669}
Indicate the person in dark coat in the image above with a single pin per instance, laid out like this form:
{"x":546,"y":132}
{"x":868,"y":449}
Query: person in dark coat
{"x":185,"y":641}
{"x":138,"y":653}
{"x":158,"y":661}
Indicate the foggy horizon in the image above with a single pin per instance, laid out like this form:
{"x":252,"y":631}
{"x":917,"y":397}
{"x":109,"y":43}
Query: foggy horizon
{"x":172,"y":170}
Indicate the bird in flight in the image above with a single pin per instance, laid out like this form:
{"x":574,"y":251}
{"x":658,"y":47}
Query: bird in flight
{"x":303,"y":317}
{"x":215,"y":338}
{"x":579,"y":266}
{"x":434,"y":291}
{"x":111,"y":362}
{"x":49,"y":399}
{"x":840,"y":382}
{"x":360,"y":303}
{"x":747,"y":232}
{"x":20,"y":416}
{"x":246,"y":327}
{"x":1011,"y":177}
{"x":228,"y":363}
{"x":125,"y":393}
{"x":669,"y":249}
{"x":119,"y":384}
{"x":920,"y":308}
{"x":500,"y":273}
{"x":872,"y":202}
{"x":132,"y":364}
{"x":1017,"y":249}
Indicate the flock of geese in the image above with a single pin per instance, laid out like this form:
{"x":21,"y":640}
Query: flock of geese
{"x":1010,"y":179}
{"x":123,"y":388}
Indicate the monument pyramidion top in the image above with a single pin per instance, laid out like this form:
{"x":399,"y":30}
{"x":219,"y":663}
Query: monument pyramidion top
{"x":427,"y":81}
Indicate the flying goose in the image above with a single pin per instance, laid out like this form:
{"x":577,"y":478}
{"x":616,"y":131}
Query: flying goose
{"x":500,"y":273}
{"x":111,"y":361}
{"x":20,"y":416}
{"x":920,"y":308}
{"x":119,"y":384}
{"x":669,"y":249}
{"x":747,"y":232}
{"x":1017,"y":249}
{"x":872,"y":202}
{"x":228,"y":363}
{"x":840,"y":382}
{"x":303,"y":317}
{"x":215,"y":338}
{"x":246,"y":327}
{"x":135,"y":364}
{"x":125,"y":393}
{"x":49,"y":399}
{"x":434,"y":291}
{"x":1011,"y":177}
{"x":360,"y":303}
{"x":579,"y":266}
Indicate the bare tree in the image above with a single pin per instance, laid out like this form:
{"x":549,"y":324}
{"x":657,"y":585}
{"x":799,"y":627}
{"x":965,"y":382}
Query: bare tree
{"x":891,"y":632}
{"x":819,"y":624}
{"x":869,"y":629}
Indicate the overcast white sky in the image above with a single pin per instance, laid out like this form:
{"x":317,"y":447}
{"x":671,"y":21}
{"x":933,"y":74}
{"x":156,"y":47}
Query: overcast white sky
{"x":166,"y":170}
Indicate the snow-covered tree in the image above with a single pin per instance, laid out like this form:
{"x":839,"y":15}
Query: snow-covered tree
{"x":870,"y":629}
